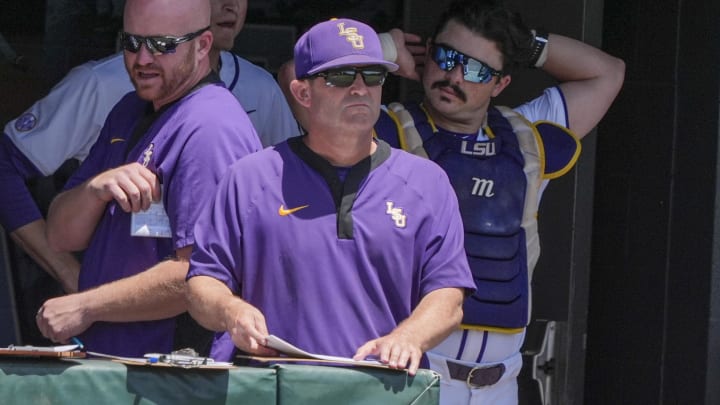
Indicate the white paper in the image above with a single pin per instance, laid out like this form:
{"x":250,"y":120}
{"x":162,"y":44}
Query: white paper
{"x":280,"y":345}
{"x":55,"y":349}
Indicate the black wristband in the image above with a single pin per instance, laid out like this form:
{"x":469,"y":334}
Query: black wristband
{"x":540,"y":40}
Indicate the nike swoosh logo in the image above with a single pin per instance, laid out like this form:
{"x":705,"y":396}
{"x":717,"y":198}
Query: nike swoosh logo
{"x":116,"y":140}
{"x":285,"y":212}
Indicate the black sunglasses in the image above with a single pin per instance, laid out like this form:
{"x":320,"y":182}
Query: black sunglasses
{"x":345,"y":77}
{"x":474,"y":71}
{"x":157,"y":45}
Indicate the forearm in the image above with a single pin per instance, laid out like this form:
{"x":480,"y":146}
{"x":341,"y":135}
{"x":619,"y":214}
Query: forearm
{"x":156,"y":293}
{"x":72,"y":218}
{"x":435,"y":317}
{"x":215,"y":307}
{"x":210,"y":301}
{"x":569,"y":59}
{"x":62,"y":266}
{"x":21,"y":217}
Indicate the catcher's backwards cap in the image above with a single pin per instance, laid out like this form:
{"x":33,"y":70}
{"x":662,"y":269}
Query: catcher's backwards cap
{"x":335,"y":43}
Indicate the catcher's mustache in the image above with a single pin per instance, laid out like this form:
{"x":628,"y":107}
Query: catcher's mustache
{"x":456,"y":90}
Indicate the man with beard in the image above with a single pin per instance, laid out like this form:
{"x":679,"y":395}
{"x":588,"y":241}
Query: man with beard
{"x":499,"y":161}
{"x":133,"y":202}
{"x":66,"y":123}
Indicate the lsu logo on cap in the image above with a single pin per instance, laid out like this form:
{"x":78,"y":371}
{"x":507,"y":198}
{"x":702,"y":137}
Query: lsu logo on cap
{"x":26,"y":122}
{"x":351,"y":35}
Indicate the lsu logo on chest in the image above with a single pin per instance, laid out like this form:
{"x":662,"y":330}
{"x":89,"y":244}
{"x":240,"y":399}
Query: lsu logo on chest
{"x":480,"y":187}
{"x":397,"y":214}
{"x":477,"y":148}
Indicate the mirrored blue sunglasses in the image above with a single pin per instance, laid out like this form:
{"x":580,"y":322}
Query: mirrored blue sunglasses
{"x":474,"y":70}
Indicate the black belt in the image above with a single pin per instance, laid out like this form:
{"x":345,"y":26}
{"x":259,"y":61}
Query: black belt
{"x":476,"y":377}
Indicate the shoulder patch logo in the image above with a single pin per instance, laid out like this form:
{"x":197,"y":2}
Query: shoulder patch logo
{"x":283,"y":212}
{"x":26,"y":122}
{"x":396,"y":214}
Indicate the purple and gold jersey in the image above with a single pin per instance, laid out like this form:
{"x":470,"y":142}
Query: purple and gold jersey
{"x":332,"y":264}
{"x":189,"y":146}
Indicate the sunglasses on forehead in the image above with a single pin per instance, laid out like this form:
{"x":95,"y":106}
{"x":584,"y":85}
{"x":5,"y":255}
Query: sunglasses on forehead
{"x":474,"y":70}
{"x":157,"y":45}
{"x":345,"y":77}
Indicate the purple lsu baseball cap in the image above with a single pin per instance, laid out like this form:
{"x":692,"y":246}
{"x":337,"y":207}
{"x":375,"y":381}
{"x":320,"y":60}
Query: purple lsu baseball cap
{"x":335,"y":43}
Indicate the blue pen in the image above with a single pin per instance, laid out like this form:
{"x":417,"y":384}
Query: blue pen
{"x":78,"y":342}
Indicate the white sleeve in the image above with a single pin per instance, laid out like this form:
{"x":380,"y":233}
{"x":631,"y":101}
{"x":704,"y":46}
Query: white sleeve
{"x":279,"y":122}
{"x":263,"y":101}
{"x":66,"y":123}
{"x":550,"y":106}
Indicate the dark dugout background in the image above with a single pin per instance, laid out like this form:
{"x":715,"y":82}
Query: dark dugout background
{"x":629,"y":269}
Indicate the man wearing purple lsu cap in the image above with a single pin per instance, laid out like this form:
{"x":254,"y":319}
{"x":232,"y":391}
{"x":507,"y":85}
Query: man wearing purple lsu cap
{"x":332,"y":241}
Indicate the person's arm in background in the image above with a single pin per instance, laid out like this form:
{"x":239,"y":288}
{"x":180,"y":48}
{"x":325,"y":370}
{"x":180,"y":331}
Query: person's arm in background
{"x":590,"y":79}
{"x":61,"y":126}
{"x":21,"y":218}
{"x":62,"y":266}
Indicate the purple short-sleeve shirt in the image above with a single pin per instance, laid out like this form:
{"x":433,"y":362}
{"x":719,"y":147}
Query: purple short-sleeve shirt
{"x":330,"y":264}
{"x":190,"y":147}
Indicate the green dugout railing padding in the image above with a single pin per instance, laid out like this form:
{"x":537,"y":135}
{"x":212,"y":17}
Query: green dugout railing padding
{"x":101,"y":382}
{"x":53,"y":381}
{"x":298,"y":384}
